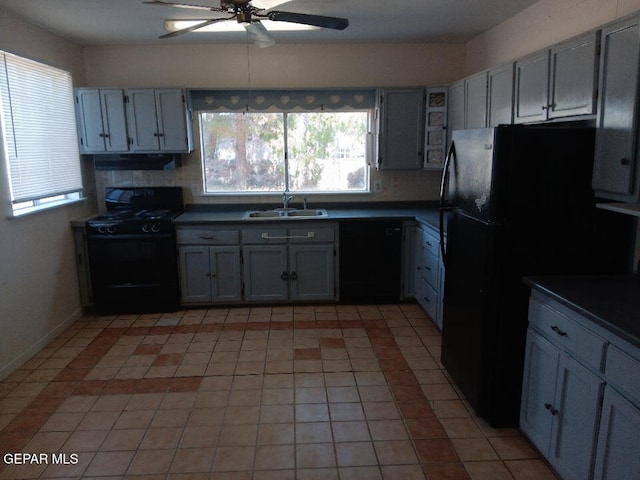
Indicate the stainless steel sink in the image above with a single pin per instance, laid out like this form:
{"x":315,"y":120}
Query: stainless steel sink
{"x":281,"y":213}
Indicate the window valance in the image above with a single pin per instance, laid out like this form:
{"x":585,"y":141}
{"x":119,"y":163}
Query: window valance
{"x":301,"y":100}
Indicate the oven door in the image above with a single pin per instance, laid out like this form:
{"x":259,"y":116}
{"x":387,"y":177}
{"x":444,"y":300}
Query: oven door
{"x":133,"y":273}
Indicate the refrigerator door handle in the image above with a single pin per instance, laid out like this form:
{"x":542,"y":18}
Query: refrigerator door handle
{"x":443,"y":207}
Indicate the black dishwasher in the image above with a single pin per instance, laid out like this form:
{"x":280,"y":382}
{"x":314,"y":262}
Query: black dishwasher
{"x":370,"y":261}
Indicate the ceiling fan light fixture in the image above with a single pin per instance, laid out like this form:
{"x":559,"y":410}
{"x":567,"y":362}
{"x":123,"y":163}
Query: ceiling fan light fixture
{"x":221,"y":27}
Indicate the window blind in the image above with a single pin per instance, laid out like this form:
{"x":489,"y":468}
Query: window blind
{"x":40,"y":138}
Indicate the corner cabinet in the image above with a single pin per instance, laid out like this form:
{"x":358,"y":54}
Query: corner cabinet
{"x":291,"y":262}
{"x":158,"y":120}
{"x":580,"y":405}
{"x":402,"y":124}
{"x":615,"y":174}
{"x":209,"y":264}
{"x":102,"y":125}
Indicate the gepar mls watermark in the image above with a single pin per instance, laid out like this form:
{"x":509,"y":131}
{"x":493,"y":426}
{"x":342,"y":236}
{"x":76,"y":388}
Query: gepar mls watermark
{"x":24,"y":458}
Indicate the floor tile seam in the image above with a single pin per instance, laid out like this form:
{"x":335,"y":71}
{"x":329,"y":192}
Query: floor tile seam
{"x":422,"y":394}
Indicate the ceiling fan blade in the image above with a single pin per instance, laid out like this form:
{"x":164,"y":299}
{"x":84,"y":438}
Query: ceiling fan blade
{"x":259,"y":35}
{"x":197,"y":26}
{"x":306,"y":19}
{"x":184,"y":5}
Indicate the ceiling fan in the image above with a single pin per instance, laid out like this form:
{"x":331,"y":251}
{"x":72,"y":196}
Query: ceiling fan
{"x":249,"y":13}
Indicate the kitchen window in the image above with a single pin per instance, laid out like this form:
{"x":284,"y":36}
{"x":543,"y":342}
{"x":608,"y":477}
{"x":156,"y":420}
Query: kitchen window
{"x":275,"y":142}
{"x":40,"y":143}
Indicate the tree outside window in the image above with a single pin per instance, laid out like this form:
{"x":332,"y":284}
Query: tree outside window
{"x":273,"y":152}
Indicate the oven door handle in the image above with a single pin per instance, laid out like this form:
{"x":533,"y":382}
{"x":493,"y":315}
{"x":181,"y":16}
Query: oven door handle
{"x":129,"y":236}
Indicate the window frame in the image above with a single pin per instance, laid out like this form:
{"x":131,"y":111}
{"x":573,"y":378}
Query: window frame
{"x":367,"y":162}
{"x":21,"y":77}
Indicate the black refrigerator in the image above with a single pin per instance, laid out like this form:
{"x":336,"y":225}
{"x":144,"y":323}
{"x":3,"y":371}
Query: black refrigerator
{"x":517,"y":201}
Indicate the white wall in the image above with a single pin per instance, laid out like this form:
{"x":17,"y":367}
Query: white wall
{"x":38,"y":282}
{"x":541,"y":25}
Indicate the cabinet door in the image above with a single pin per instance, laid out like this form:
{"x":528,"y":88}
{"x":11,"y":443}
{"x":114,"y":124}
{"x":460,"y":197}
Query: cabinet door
{"x":500,"y":96}
{"x":532,"y":85}
{"x":615,"y":155}
{"x":311,"y":272}
{"x":89,"y":113}
{"x":402,"y":129}
{"x":143,"y":124}
{"x":171,"y":120}
{"x":619,"y":439}
{"x":102,"y":124}
{"x":265,"y":273}
{"x":195,"y":274}
{"x":573,"y":77}
{"x":114,"y":120}
{"x":578,"y":395}
{"x":226,"y":283}
{"x":476,"y":101}
{"x":455,"y":109}
{"x":538,"y":390}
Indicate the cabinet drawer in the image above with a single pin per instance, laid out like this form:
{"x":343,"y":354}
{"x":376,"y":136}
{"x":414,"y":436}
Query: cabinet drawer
{"x":585,"y":345}
{"x":429,"y":268}
{"x":431,"y":242}
{"x":427,"y":297}
{"x":207,"y":236}
{"x":311,"y":234}
{"x":264,"y":235}
{"x":622,"y":371}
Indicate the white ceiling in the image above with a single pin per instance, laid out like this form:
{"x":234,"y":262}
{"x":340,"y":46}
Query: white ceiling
{"x":128,"y":22}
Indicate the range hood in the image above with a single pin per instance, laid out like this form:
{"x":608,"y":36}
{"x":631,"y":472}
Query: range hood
{"x":137,"y":161}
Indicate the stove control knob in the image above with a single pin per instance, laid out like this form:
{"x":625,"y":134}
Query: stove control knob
{"x":155,"y":228}
{"x":102,"y":230}
{"x":146,"y":228}
{"x":111,"y":229}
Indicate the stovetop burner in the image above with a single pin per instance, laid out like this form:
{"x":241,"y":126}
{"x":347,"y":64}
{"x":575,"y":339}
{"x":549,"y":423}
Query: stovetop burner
{"x":130,"y":211}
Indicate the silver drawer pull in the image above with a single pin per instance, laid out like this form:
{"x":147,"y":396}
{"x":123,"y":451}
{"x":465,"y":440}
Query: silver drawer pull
{"x":204,"y":237}
{"x":265,"y":235}
{"x":560,"y":332}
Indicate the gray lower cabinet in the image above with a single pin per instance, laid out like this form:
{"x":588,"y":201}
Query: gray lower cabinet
{"x":560,"y":408}
{"x":580,"y":399}
{"x":289,"y":263}
{"x":429,"y":273}
{"x":210,"y":266}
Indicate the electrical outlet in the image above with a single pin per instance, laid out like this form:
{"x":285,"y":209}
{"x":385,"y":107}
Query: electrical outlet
{"x":377,"y":186}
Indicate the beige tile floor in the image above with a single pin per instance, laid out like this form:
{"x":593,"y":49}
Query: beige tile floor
{"x":309,"y":392}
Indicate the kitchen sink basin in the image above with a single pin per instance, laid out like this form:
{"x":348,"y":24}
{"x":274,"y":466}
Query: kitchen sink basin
{"x":281,"y":213}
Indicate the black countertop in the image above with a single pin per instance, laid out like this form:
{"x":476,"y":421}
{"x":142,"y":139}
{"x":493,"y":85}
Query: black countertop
{"x":611,"y":301}
{"x":428,"y":215}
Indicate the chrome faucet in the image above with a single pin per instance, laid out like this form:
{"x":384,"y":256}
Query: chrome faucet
{"x":286,"y":198}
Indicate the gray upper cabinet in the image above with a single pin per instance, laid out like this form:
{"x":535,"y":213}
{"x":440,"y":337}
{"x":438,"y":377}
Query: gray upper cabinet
{"x":475,"y":97}
{"x":615,"y":172}
{"x":532,"y":85}
{"x":500,"y":95}
{"x":455,"y":108}
{"x":574,"y":75}
{"x":402,"y":129}
{"x":102,"y":125}
{"x":158,"y":120}
{"x":558,"y":82}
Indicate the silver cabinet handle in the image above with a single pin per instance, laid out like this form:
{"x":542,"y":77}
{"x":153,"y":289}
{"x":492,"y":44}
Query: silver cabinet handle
{"x":265,"y":235}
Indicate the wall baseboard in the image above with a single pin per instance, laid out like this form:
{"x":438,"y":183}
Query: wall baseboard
{"x":12,"y":366}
